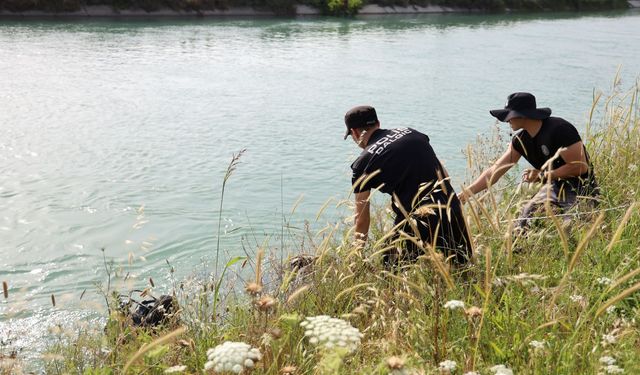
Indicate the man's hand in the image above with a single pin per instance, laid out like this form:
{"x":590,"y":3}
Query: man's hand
{"x":463,"y":197}
{"x":531,"y":175}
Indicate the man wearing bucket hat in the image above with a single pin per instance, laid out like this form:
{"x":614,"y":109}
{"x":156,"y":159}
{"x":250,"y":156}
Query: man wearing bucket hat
{"x":555,"y":150}
{"x":401,"y":163}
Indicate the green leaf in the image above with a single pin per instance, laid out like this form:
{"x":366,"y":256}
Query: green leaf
{"x":496,"y":349}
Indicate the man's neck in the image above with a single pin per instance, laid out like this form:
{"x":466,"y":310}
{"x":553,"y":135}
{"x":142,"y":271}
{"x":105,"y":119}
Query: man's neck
{"x":533,"y":127}
{"x":366,"y":136}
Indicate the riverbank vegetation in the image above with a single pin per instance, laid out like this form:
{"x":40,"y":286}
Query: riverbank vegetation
{"x":564,"y":300}
{"x":287,"y":7}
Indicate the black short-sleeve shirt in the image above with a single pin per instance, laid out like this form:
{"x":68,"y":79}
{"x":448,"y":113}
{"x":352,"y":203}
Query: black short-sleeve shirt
{"x":554,"y":134}
{"x":398,"y":161}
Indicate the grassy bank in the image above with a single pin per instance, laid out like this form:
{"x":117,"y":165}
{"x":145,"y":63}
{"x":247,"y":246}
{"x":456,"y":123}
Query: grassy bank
{"x":285,"y":7}
{"x":565,"y":300}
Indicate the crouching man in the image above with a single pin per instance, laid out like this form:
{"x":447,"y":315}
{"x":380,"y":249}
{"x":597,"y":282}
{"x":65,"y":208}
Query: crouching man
{"x":555,"y":150}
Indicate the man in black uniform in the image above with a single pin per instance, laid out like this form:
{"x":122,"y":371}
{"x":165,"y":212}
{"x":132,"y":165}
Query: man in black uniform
{"x":401,"y":162}
{"x":555,"y":150}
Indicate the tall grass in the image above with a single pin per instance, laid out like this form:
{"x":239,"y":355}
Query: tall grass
{"x":555,"y":302}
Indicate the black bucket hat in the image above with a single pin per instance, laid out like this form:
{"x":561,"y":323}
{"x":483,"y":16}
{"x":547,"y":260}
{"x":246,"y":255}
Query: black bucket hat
{"x":521,"y":104}
{"x":360,"y":117}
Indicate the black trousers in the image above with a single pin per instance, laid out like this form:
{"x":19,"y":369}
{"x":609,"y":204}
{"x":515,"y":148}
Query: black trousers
{"x":447,"y":226}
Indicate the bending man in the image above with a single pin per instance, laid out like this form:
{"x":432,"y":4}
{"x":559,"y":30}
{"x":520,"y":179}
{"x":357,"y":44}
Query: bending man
{"x":401,"y":162}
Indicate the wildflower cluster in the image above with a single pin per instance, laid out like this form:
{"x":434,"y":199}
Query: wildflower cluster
{"x":609,"y":365}
{"x":323,"y":330}
{"x":447,"y":366}
{"x":454,"y":304}
{"x":175,"y":369}
{"x":501,"y":370}
{"x":232,"y":357}
{"x":537,"y":345}
{"x":608,"y":339}
{"x":576,"y":298}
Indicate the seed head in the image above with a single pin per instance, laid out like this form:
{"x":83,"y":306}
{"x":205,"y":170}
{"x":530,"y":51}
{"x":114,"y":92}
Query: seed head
{"x":473,"y":311}
{"x":266,"y":303}
{"x":253,"y":288}
{"x":288,"y":370}
{"x":395,"y":363}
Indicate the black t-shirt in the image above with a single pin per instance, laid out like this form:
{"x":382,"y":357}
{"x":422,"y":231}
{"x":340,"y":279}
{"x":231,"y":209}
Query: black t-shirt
{"x":401,"y":162}
{"x":554,"y":134}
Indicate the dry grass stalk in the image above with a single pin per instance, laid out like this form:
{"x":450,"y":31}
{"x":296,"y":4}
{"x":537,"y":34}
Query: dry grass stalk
{"x":621,"y":226}
{"x":259,"y":258}
{"x":351,"y":289}
{"x":617,"y":298}
{"x":623,"y":279}
{"x":297,"y":293}
{"x":484,"y":211}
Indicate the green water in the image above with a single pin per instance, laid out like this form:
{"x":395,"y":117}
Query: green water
{"x":101,"y":118}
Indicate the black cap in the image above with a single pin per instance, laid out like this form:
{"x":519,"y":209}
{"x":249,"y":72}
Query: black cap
{"x":360,"y":117}
{"x":521,"y":104}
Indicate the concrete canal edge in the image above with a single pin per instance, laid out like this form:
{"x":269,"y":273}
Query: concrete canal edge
{"x":300,"y":10}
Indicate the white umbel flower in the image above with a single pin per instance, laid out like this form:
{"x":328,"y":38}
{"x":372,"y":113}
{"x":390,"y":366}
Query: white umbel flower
{"x":175,"y":369}
{"x":608,"y":338}
{"x":613,"y":369}
{"x":454,"y":304}
{"x":537,"y":344}
{"x":607,"y":360}
{"x":603,"y":280}
{"x":471,"y":373}
{"x":328,"y":332}
{"x":501,"y":370}
{"x":447,"y":365}
{"x":576,"y":298}
{"x":232,"y":357}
